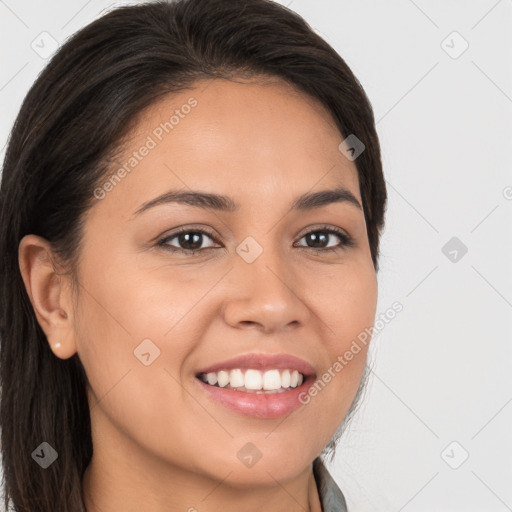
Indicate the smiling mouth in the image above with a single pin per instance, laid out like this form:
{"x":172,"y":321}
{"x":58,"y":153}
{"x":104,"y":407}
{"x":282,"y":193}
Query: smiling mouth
{"x":254,"y":381}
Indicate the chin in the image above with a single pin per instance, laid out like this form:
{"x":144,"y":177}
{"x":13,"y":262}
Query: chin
{"x":248,"y":465}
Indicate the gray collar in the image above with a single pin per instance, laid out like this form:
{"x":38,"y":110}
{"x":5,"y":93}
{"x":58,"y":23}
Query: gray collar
{"x":330,"y":494}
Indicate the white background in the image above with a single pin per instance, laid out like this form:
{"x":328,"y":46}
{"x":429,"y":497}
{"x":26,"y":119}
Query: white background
{"x":442,"y":366}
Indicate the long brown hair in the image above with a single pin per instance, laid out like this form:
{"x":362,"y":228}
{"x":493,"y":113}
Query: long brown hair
{"x":71,"y":122}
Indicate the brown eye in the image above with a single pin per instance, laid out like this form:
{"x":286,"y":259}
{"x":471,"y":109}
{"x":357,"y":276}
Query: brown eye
{"x":318,"y":238}
{"x":189,"y":240}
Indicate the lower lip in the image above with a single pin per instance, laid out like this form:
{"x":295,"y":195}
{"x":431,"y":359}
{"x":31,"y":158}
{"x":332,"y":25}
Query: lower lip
{"x":258,"y":405}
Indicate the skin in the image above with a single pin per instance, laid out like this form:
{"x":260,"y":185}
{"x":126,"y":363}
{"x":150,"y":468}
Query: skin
{"x":159,"y":442}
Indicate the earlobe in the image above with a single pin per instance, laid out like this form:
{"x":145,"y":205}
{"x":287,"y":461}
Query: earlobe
{"x":63,"y":350}
{"x":48,"y":293}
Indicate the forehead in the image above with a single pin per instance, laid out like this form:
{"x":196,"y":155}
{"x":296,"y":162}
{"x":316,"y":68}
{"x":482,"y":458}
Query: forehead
{"x":246,"y":138}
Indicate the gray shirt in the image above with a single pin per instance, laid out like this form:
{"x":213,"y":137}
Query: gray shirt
{"x":330,"y":494}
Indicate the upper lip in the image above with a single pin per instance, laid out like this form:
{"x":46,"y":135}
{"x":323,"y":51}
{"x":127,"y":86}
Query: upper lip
{"x":263,"y":362}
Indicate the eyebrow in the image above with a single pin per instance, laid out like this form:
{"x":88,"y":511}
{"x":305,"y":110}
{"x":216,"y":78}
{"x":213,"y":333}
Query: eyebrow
{"x":224,"y":203}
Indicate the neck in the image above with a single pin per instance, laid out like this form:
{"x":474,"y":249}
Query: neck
{"x":123,"y":476}
{"x":104,"y":491}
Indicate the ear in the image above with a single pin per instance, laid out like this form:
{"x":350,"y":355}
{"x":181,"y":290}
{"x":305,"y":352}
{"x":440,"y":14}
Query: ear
{"x":49,"y":293}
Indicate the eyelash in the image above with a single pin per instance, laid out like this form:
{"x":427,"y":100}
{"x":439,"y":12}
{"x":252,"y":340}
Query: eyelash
{"x":346,"y":240}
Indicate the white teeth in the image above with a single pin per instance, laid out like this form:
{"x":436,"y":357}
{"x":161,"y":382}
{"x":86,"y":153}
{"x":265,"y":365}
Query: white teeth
{"x":285,"y":379}
{"x":222,"y":378}
{"x":212,"y":378}
{"x":236,"y":379}
{"x":255,"y":380}
{"x":271,"y":379}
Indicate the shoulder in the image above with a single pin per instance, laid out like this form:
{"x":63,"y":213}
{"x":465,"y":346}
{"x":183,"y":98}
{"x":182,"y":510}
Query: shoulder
{"x":330,"y":494}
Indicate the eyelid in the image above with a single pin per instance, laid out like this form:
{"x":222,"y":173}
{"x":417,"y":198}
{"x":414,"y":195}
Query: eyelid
{"x":323,"y":227}
{"x":187,"y":229}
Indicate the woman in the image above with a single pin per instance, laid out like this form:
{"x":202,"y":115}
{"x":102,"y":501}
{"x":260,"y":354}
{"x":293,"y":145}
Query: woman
{"x":192,"y":200}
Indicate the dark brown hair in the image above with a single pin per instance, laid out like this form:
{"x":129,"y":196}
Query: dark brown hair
{"x":71,"y":122}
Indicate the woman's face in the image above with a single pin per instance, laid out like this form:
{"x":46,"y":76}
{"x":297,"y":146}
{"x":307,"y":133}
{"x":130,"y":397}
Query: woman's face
{"x":266,"y":280}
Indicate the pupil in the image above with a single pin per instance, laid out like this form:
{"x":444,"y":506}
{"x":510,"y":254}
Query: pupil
{"x":316,"y":238}
{"x":184,"y":239}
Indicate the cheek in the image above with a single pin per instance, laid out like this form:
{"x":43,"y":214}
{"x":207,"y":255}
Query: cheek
{"x":346,"y":302}
{"x":346,"y":307}
{"x":116,"y":317}
{"x":122,"y":305}
{"x":133,"y":302}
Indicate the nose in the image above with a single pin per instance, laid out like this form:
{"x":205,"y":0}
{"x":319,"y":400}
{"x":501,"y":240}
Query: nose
{"x":265,"y":295}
